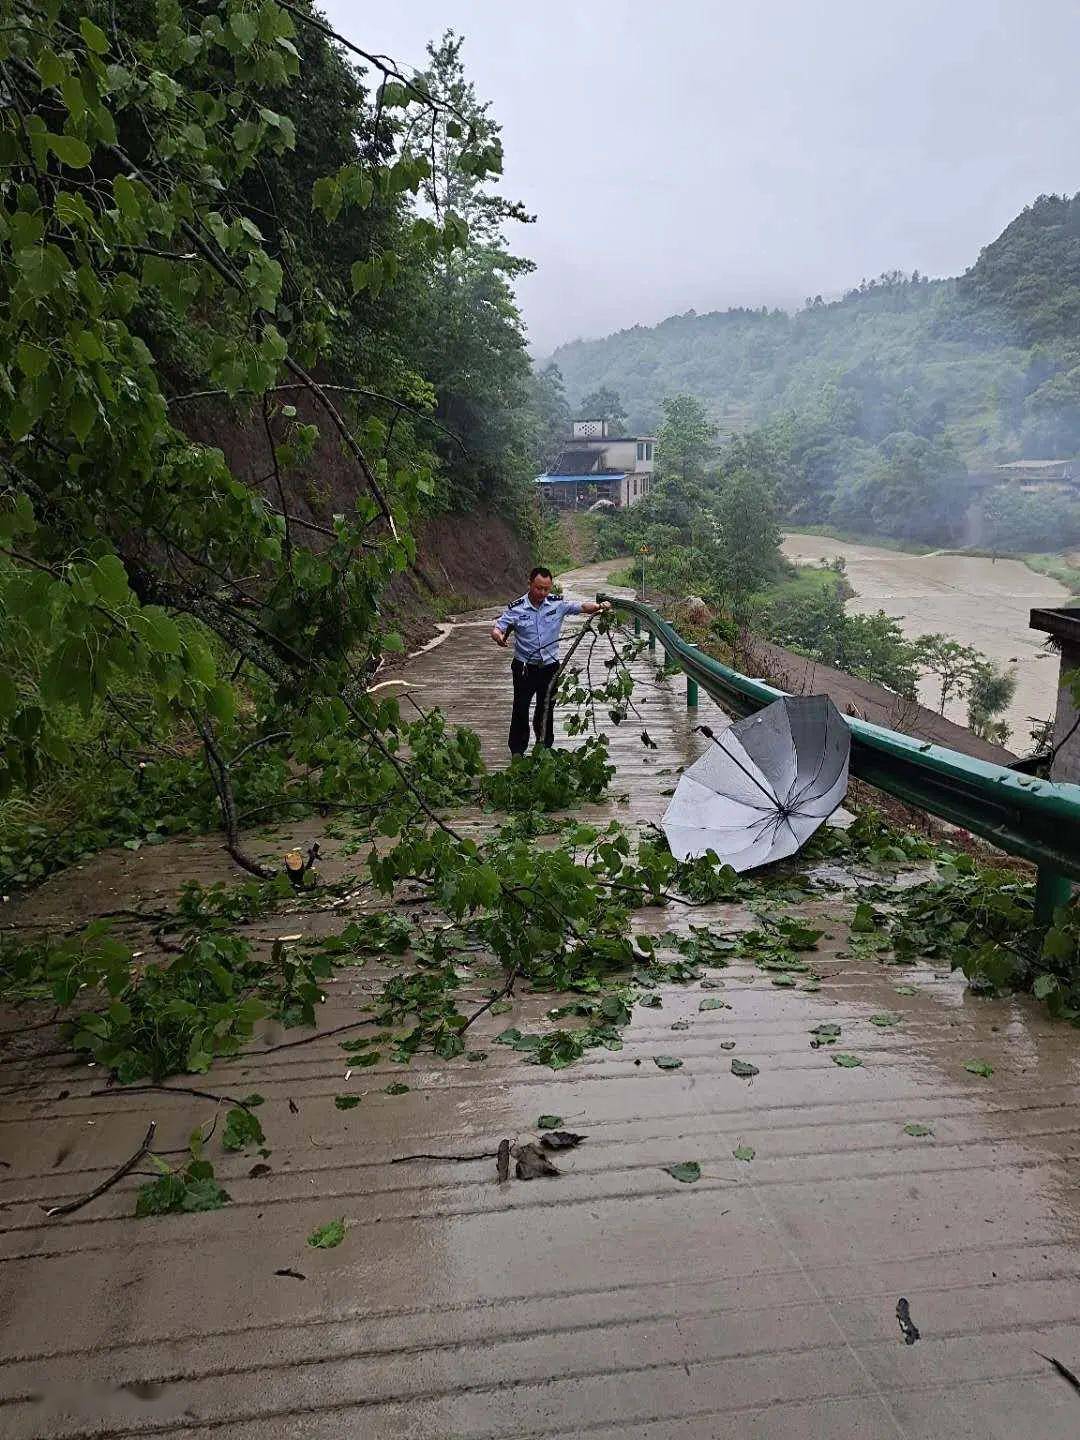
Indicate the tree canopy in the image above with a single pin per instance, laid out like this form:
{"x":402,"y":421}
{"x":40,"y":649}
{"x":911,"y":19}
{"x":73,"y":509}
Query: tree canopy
{"x":223,"y":208}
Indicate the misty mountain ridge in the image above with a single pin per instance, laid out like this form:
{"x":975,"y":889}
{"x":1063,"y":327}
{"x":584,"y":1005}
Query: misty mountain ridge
{"x":991,"y":358}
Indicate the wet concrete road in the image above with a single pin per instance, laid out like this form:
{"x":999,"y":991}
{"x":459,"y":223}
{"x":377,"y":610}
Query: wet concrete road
{"x":612,"y":1301}
{"x":974,"y":599}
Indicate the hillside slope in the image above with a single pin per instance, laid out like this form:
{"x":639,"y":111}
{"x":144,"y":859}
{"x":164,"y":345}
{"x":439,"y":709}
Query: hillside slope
{"x":991,"y":357}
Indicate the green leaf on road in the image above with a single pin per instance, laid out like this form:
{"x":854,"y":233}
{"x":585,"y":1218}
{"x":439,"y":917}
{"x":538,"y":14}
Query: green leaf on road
{"x":883,"y":1021}
{"x":713,"y":1002}
{"x":549,"y":1122}
{"x":744,"y":1069}
{"x":744,"y":1152}
{"x":398,"y":1087}
{"x":827,"y":1031}
{"x":914,"y":1128}
{"x":326,"y":1237}
{"x":346,"y":1102}
{"x":979,"y":1067}
{"x":846,"y":1062}
{"x":667,"y":1062}
{"x":687,"y":1171}
{"x":241,"y":1130}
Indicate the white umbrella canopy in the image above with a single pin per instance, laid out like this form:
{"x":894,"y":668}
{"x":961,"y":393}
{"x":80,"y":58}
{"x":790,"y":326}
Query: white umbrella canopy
{"x":763,"y":786}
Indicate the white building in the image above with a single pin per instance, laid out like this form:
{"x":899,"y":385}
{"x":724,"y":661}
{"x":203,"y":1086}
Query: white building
{"x":594,"y":465}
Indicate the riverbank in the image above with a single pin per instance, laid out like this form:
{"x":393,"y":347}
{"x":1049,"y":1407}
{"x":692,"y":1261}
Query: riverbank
{"x":1058,"y":565}
{"x":977,"y":600}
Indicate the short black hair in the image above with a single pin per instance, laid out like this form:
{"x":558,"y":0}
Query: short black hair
{"x":540,"y":570}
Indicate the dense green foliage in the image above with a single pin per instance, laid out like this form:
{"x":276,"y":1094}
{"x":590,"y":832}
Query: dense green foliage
{"x":874,"y":404}
{"x":216,"y":203}
{"x":707,"y":527}
{"x":870,"y":646}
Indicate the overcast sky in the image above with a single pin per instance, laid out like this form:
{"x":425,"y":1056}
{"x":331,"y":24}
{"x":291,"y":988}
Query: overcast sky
{"x":682,"y":154}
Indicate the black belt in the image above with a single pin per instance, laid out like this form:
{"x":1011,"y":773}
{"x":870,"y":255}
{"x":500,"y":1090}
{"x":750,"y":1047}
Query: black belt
{"x":535,"y":664}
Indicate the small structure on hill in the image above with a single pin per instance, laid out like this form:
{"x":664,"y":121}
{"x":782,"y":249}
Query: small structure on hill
{"x":595,"y":466}
{"x":1038,"y":474}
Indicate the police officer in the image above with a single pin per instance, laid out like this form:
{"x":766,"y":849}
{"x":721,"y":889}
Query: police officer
{"x":536,"y":620}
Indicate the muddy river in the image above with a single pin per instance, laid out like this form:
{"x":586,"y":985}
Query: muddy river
{"x":977,"y":601}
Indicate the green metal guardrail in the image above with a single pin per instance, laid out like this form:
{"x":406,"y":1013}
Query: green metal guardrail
{"x":1024,"y":816}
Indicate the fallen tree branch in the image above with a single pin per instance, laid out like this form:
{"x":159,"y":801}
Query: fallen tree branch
{"x":107,"y":1184}
{"x":114,"y":1090}
{"x":1062,"y":1370}
{"x":422,"y":1155}
{"x":507,"y":989}
{"x":307,"y":1039}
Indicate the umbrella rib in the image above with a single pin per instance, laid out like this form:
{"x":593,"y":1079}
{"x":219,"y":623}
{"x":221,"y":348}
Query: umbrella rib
{"x":793,"y":799}
{"x":795,"y":766}
{"x":824,"y":789}
{"x":770,"y":819}
{"x":773,"y":802}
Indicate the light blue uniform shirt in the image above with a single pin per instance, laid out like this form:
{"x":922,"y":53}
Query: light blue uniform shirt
{"x":537,"y":627}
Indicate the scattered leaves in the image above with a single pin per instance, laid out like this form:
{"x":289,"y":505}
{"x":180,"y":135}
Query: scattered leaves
{"x":190,"y":1189}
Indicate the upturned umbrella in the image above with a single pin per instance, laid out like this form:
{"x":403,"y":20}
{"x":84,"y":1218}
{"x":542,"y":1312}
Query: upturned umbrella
{"x":763,"y":786}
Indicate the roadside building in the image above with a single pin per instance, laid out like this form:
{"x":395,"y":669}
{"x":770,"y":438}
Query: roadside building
{"x":593,"y":466}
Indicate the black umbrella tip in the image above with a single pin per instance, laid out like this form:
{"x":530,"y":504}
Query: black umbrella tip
{"x":704,"y":730}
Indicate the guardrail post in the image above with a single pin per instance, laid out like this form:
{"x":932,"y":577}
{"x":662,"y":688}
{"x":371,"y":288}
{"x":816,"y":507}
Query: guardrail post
{"x":691,"y":688}
{"x":1051,"y":890}
{"x":637,"y":625}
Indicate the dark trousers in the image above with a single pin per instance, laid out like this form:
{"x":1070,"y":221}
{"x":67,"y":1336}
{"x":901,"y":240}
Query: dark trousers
{"x":531,"y":682}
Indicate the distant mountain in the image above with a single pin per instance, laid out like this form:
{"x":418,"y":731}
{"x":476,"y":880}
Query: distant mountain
{"x":991,"y":359}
